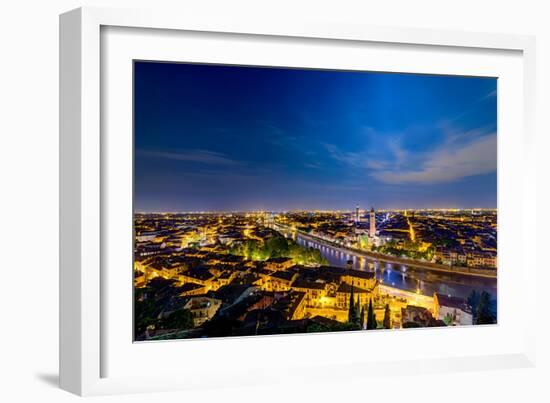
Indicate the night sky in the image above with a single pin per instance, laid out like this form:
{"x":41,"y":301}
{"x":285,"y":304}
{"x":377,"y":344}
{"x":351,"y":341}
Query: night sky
{"x":227,"y":138}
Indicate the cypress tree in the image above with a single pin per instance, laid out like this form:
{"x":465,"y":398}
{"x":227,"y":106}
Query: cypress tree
{"x":362,"y":317}
{"x":371,"y":318}
{"x":387,"y":317}
{"x":473,"y":301}
{"x":351,"y":310}
{"x":358,"y":308}
{"x":484,"y":316}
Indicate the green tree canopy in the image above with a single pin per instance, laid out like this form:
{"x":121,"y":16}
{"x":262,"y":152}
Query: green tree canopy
{"x":181,"y":319}
{"x":278,"y":246}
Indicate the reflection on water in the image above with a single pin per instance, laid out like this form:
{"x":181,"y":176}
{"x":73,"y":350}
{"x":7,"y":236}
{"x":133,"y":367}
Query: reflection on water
{"x":405,"y":277}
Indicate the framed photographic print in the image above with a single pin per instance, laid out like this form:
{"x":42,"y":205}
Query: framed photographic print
{"x":251,"y":194}
{"x":247,"y":190}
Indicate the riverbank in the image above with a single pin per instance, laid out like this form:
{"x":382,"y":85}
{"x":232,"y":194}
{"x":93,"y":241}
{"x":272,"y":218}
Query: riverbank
{"x":435,"y":267}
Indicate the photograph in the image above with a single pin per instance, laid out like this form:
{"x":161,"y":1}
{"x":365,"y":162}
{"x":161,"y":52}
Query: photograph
{"x":232,"y":201}
{"x":282,"y":200}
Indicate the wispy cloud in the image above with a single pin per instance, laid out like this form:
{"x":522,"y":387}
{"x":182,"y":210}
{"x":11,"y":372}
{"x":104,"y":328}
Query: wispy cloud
{"x":200,"y":156}
{"x":354,"y":159}
{"x":461,"y":155}
{"x":448,"y":163}
{"x":472,"y":108}
{"x":490,"y":94}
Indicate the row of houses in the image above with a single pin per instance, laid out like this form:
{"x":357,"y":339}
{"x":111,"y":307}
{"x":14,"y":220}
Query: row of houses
{"x":463,"y":257}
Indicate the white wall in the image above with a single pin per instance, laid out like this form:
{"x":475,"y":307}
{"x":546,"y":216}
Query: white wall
{"x":29,"y":186}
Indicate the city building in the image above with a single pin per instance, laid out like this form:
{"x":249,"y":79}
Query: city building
{"x":372,"y":223}
{"x":315,"y":292}
{"x":231,"y":272}
{"x":279,"y":263}
{"x":276,"y":281}
{"x":202,"y":309}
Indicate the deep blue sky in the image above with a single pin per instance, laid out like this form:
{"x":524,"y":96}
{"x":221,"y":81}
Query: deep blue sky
{"x":245,"y":138}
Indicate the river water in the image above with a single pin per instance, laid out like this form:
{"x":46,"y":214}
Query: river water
{"x":406,"y":277}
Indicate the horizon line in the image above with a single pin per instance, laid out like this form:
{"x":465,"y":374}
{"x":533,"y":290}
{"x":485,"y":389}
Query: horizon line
{"x":319,"y":210}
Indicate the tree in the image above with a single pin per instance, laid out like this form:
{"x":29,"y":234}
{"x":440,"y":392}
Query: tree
{"x":277,"y":246}
{"x":351,"y":310}
{"x":144,"y":315}
{"x":484,"y":316}
{"x":181,"y":319}
{"x":473,"y":301}
{"x":371,"y":317}
{"x":374,"y":321}
{"x":387,"y":317}
{"x":337,"y":327}
{"x":362,"y":317}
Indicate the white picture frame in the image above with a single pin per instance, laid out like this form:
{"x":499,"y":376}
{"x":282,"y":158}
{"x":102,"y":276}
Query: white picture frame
{"x":83,"y":189}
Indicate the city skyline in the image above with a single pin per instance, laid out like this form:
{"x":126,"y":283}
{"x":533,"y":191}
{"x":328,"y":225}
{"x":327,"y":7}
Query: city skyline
{"x":225,"y":138}
{"x":350,"y":210}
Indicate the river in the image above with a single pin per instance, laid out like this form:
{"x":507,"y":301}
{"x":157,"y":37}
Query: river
{"x":405,"y":277}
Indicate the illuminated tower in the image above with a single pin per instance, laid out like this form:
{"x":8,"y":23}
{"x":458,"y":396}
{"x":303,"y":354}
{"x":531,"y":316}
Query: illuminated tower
{"x":357,"y":213}
{"x":372,"y":219}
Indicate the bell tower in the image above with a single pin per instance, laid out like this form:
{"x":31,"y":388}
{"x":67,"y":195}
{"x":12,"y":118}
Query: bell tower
{"x":372,"y":219}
